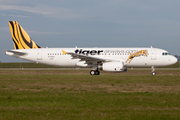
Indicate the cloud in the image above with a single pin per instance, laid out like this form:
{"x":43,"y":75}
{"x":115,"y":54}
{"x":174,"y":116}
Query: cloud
{"x":4,"y":29}
{"x":21,"y":16}
{"x":10,"y":1}
{"x":47,"y":33}
{"x":36,"y":10}
{"x":47,"y":11}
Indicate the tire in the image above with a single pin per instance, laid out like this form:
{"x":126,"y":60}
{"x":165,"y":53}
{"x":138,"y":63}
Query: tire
{"x":153,"y":73}
{"x":97,"y":72}
{"x":92,"y":72}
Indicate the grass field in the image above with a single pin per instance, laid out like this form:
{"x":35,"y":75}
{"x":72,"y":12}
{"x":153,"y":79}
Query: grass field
{"x":68,"y":94}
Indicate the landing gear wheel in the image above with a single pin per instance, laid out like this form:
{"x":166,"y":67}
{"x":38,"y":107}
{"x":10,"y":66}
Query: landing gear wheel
{"x":94,"y":72}
{"x":153,"y":73}
{"x":97,"y":72}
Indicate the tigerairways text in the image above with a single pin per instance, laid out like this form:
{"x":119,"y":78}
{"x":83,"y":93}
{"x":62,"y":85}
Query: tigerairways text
{"x":98,"y":52}
{"x":88,"y":52}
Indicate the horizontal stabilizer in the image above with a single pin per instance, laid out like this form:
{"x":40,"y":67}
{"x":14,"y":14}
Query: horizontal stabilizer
{"x":15,"y":53}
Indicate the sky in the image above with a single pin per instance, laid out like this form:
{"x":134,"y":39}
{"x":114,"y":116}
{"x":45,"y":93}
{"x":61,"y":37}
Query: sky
{"x":93,"y":23}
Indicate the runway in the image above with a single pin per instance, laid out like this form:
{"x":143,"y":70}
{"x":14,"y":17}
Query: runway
{"x":83,"y":69}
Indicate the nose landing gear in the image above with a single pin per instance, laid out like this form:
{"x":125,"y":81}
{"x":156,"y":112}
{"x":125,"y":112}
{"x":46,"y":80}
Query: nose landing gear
{"x":153,"y":71}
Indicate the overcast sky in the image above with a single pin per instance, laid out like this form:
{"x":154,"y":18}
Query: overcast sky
{"x":93,"y":23}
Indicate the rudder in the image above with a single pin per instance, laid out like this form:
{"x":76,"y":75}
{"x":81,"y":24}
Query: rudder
{"x":21,"y":39}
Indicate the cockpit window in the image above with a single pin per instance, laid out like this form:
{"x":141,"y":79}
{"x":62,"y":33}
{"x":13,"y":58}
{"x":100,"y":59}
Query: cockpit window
{"x":165,"y":53}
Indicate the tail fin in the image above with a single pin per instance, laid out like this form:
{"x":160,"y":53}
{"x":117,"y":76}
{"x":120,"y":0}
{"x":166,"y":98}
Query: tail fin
{"x":20,"y":38}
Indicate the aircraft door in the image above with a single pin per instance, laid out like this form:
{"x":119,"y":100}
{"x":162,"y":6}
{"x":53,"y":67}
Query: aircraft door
{"x":153,"y":54}
{"x":39,"y":54}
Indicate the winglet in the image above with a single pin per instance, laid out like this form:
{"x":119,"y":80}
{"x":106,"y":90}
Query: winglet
{"x":64,"y":52}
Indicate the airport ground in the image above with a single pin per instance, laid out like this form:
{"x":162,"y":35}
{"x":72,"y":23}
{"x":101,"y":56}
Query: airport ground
{"x":65,"y":94}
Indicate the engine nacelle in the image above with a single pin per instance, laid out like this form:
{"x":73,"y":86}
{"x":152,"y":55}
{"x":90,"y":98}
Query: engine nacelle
{"x":113,"y":66}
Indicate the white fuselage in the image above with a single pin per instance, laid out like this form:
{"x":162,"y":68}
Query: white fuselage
{"x":55,"y":56}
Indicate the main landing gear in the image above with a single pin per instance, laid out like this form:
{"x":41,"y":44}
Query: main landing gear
{"x":153,"y":71}
{"x":94,"y":72}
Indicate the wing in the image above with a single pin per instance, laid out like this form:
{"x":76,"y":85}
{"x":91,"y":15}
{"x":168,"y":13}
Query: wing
{"x":88,"y":59}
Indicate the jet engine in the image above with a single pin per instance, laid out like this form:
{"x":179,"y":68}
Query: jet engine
{"x":113,"y":67}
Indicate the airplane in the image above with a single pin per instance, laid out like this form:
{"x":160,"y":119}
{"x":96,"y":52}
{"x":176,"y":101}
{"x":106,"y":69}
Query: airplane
{"x":106,"y":59}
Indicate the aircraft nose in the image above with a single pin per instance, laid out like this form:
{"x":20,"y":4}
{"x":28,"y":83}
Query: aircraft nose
{"x":173,"y":60}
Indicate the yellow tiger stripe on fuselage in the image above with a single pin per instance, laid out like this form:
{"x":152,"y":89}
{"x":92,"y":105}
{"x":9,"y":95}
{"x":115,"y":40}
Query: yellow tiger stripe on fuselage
{"x":20,"y":38}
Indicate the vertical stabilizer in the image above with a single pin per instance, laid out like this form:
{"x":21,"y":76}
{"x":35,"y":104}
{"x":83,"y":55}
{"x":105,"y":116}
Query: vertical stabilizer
{"x":21,"y":39}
